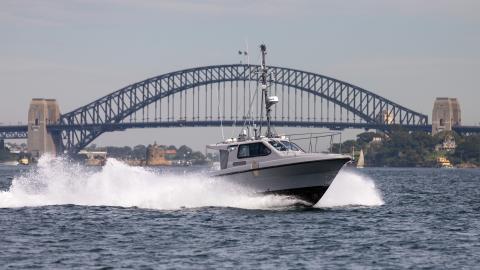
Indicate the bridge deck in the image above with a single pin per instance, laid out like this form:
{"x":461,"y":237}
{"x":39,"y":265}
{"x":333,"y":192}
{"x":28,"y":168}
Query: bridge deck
{"x":20,"y":131}
{"x":13,"y":132}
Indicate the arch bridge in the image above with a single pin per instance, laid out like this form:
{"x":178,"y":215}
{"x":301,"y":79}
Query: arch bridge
{"x":230,"y":95}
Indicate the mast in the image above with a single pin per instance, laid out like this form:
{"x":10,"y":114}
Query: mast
{"x":268,"y":101}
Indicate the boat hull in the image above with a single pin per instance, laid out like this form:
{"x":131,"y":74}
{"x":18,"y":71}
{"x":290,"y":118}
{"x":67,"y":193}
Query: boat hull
{"x":309,"y":195}
{"x":307,"y":181}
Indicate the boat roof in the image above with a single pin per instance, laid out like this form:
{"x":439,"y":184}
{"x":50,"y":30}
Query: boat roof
{"x":234,"y":142}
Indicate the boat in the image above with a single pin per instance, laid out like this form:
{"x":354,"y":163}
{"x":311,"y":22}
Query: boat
{"x":361,"y":160}
{"x":443,"y":162}
{"x":275,"y":164}
{"x":23,"y":161}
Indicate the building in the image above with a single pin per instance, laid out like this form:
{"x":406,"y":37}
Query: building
{"x":448,"y":144}
{"x":446,"y":114}
{"x":156,"y":156}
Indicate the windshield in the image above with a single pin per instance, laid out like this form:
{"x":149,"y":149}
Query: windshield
{"x":285,"y":145}
{"x":279,"y":146}
{"x":292,"y":146}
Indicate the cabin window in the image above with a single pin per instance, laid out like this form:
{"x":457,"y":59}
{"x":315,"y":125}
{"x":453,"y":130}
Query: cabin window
{"x":285,"y":145}
{"x":292,"y":146}
{"x":253,"y":150}
{"x":223,"y":159}
{"x":36,"y":121}
{"x":279,"y":146}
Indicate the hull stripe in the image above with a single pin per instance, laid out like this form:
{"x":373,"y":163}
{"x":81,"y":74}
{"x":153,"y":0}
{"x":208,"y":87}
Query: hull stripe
{"x":345,"y":160}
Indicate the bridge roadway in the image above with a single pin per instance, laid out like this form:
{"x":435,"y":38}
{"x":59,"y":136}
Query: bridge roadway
{"x":21,"y":131}
{"x":13,"y":132}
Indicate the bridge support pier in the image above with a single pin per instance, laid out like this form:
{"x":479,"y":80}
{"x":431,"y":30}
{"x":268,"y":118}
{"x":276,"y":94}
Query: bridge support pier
{"x":446,"y":114}
{"x":41,"y":113}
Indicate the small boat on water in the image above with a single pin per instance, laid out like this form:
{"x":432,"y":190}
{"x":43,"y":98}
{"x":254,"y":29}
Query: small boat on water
{"x":24,"y":161}
{"x":443,"y":162}
{"x":274,"y":164}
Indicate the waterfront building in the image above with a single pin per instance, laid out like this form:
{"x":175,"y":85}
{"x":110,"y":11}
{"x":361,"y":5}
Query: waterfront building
{"x":156,"y":156}
{"x":448,"y":144}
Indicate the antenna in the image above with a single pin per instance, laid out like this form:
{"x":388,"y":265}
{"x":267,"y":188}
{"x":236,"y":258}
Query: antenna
{"x":269,"y":101}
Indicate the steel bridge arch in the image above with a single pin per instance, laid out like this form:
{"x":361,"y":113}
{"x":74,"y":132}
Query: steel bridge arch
{"x":81,"y":126}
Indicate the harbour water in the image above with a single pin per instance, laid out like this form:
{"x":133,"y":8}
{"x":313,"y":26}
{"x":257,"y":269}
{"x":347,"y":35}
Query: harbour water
{"x":60,"y":215}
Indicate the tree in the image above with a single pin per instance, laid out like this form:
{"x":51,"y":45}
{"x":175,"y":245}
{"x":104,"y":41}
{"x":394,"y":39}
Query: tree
{"x":139,"y":151}
{"x":198,"y":158}
{"x":468,"y":149}
{"x":402,"y":149}
{"x":184,"y":152}
{"x":346,"y":147}
{"x":119,"y":152}
{"x":365,"y":137}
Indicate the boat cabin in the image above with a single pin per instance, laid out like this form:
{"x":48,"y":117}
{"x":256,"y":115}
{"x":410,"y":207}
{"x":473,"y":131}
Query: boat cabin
{"x":250,"y":152}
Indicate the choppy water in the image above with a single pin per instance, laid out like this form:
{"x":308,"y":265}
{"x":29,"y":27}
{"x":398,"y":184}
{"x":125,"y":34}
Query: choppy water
{"x":65,"y":216}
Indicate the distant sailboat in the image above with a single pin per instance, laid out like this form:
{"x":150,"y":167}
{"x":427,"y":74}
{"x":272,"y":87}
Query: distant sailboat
{"x":361,"y":160}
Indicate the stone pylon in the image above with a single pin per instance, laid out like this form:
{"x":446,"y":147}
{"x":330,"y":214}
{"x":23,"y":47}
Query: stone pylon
{"x":446,"y":114}
{"x":41,"y":113}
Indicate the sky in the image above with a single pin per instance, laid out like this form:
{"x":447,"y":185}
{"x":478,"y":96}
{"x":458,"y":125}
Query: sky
{"x":408,"y":51}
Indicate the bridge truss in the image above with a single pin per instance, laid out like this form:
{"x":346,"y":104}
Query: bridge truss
{"x":230,"y":94}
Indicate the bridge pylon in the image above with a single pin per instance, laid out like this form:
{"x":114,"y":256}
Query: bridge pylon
{"x":42,"y":112}
{"x":446,"y":114}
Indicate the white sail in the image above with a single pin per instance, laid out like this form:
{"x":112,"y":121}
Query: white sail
{"x":361,"y":160}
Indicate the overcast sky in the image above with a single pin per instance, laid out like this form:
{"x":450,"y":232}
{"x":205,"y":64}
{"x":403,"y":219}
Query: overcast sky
{"x":409,"y":51}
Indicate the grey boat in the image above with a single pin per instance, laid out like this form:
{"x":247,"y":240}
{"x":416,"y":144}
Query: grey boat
{"x":274,"y":164}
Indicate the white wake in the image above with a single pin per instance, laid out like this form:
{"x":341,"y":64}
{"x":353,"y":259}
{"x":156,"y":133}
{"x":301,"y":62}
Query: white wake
{"x":351,"y":188}
{"x":58,"y":182}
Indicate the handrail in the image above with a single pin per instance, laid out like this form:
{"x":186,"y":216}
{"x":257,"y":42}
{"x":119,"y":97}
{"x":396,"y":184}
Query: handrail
{"x":310,"y":136}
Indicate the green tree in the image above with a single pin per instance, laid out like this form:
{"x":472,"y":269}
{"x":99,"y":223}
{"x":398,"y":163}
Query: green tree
{"x":198,"y":158}
{"x":365,"y":137}
{"x":468,"y":150}
{"x":184,"y":152}
{"x":139,"y":151}
{"x":402,"y":149}
{"x":118,"y":152}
